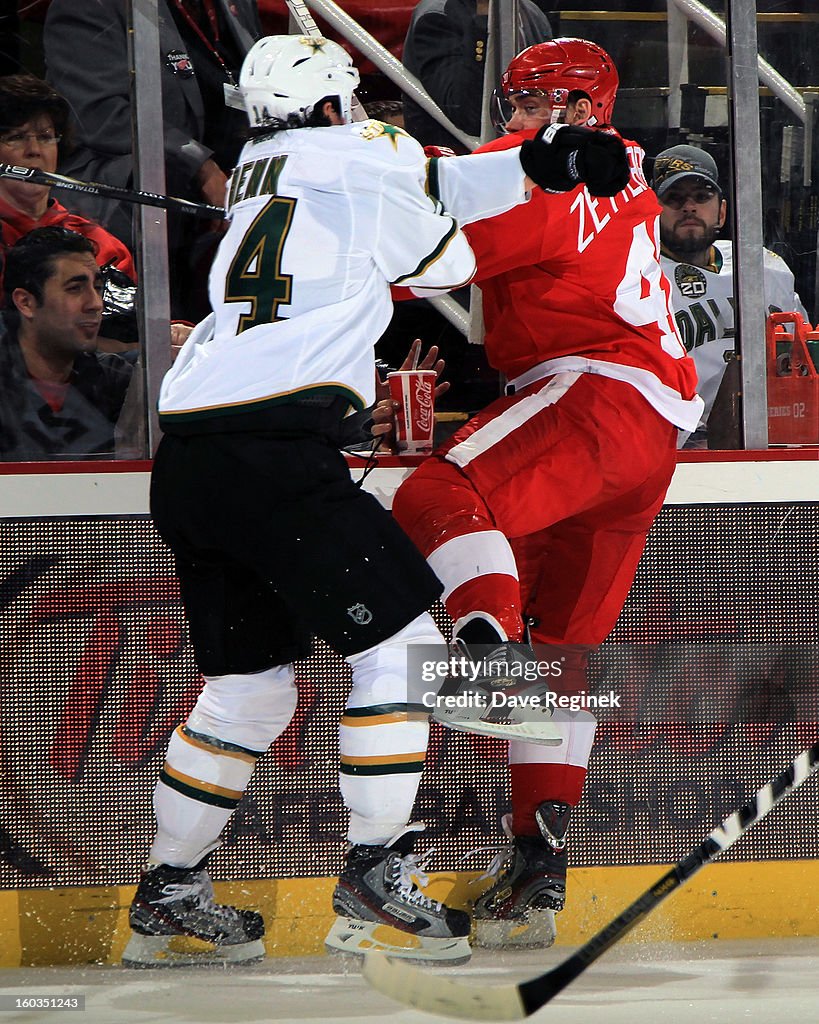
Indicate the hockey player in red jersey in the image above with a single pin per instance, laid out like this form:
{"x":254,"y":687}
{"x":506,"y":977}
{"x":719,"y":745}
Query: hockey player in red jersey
{"x":536,"y":511}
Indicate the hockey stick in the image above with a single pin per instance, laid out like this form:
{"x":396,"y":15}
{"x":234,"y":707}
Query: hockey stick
{"x":303,"y":18}
{"x":445,"y":304}
{"x":308,"y":27}
{"x":436,"y":994}
{"x":35,"y":176}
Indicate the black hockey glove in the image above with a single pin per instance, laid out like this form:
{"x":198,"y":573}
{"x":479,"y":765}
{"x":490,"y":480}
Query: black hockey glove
{"x":119,"y":298}
{"x":560,"y":156}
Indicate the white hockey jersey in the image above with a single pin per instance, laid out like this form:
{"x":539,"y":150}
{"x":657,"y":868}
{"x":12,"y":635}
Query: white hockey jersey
{"x":322,"y":220}
{"x":703,"y":304}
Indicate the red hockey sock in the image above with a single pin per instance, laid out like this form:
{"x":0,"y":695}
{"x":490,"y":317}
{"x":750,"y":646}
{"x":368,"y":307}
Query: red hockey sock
{"x":496,"y":594}
{"x":534,"y":783}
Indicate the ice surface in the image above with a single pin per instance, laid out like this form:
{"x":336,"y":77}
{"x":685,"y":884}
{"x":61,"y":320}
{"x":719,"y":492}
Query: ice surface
{"x":675,"y":983}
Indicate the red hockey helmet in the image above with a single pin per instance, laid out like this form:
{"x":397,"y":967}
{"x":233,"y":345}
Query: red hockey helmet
{"x":559,"y":66}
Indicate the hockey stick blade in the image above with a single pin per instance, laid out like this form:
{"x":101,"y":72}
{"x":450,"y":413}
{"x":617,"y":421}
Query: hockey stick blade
{"x":450,"y":998}
{"x":441,"y":995}
{"x":35,"y":176}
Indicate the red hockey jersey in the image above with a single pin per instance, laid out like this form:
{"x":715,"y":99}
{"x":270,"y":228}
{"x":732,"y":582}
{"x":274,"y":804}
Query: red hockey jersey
{"x":573,"y":282}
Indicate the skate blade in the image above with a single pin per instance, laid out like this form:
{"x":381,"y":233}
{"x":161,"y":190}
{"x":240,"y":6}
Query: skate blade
{"x":536,"y":931}
{"x":544,"y":734}
{"x":348,"y":935}
{"x":179,"y":951}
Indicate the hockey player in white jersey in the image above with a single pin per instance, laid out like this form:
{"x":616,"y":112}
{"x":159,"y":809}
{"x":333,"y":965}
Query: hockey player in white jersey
{"x":700,"y":269}
{"x":273,"y":542}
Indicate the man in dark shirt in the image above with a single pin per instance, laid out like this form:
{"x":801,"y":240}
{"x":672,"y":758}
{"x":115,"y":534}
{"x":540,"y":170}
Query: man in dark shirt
{"x":445,"y":49}
{"x":59,"y":397}
{"x":202,"y":45}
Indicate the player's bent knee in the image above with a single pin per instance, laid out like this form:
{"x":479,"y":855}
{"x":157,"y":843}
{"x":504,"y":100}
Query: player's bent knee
{"x":247,"y":710}
{"x":420,"y":493}
{"x":421,"y":630}
{"x":380,"y":674}
{"x":435,"y":503}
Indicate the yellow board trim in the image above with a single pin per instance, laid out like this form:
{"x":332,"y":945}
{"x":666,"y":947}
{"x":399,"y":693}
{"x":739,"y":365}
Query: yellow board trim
{"x":750,"y":900}
{"x":10,"y":948}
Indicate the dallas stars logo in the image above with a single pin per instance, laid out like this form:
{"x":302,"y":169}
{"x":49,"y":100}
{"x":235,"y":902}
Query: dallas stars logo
{"x":377,"y":130}
{"x":316,"y":43}
{"x":392,"y":132}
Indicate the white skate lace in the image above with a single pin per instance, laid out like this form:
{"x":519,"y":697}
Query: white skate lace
{"x":200,"y":890}
{"x":411,"y":872}
{"x":503,"y":854}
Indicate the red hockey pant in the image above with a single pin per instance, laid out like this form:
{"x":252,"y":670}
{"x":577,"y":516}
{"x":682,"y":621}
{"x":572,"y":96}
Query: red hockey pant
{"x":540,"y":507}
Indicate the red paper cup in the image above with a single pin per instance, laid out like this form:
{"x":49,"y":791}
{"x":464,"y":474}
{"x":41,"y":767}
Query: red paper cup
{"x":414,"y":390}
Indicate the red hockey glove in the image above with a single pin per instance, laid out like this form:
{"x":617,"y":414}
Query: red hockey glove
{"x":562,"y":156}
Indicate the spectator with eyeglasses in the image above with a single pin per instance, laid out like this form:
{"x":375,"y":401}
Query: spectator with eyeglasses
{"x":33,"y":132}
{"x":699,"y":266}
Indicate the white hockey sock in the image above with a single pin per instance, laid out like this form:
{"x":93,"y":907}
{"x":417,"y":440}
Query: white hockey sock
{"x":577,"y":729}
{"x":383,"y":737}
{"x":211,"y":758}
{"x":541,"y":773}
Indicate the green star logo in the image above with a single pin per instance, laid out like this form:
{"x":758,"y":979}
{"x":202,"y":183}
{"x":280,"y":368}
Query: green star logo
{"x":392,"y":132}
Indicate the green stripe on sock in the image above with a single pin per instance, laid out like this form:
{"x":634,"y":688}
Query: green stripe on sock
{"x":197,"y":794}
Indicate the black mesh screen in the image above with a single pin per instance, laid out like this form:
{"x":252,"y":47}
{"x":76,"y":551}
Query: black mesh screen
{"x":715,"y":656}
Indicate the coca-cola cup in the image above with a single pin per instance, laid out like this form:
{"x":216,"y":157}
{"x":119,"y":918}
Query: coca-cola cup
{"x":414,"y":390}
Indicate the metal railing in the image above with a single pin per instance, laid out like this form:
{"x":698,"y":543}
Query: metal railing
{"x":715,"y":27}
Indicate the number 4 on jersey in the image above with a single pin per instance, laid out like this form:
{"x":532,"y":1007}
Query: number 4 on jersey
{"x":255,"y":273}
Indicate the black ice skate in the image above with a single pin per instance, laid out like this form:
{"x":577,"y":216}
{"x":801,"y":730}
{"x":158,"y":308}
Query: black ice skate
{"x":518,"y":910}
{"x":502,"y":700}
{"x":172,"y":902}
{"x":381,"y":907}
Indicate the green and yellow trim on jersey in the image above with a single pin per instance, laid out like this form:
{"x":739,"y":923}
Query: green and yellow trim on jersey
{"x":432,"y":185}
{"x":436,"y":254}
{"x":169,"y":416}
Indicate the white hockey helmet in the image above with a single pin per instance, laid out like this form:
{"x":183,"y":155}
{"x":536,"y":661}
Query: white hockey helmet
{"x":283,"y":77}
